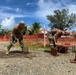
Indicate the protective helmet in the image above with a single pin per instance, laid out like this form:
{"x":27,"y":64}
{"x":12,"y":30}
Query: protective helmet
{"x":21,"y":24}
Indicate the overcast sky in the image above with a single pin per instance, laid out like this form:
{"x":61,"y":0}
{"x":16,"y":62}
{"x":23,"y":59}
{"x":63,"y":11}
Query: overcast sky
{"x":30,"y":11}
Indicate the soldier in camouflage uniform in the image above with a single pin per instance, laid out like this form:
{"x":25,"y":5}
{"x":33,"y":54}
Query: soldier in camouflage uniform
{"x":51,"y":39}
{"x":53,"y":35}
{"x":17,"y":35}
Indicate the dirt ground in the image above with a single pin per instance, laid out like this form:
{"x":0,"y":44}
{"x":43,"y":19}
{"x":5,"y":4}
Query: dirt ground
{"x":39,"y":62}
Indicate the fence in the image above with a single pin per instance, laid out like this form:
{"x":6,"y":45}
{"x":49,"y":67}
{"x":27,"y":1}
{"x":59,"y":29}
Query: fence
{"x":33,"y":39}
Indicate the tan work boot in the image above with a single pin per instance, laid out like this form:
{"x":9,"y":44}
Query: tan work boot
{"x":25,"y":50}
{"x":7,"y":52}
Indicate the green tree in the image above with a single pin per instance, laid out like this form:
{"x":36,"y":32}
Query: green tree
{"x":34,"y":28}
{"x":62,"y":19}
{"x":28,"y":32}
{"x":4,"y":31}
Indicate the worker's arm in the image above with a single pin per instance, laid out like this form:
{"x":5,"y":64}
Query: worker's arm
{"x":13,"y":32}
{"x":24,"y":30}
{"x":16,"y":39}
{"x":55,"y":38}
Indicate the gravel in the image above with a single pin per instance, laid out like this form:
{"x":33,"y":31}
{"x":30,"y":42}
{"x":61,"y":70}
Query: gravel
{"x":35,"y":63}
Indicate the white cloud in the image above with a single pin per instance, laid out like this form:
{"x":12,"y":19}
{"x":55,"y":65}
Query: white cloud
{"x":46,"y":8}
{"x":7,"y":15}
{"x":28,"y":4}
{"x":5,"y":8}
{"x":65,"y":2}
{"x":18,"y":10}
{"x":8,"y":23}
{"x":68,"y":4}
{"x":72,"y":8}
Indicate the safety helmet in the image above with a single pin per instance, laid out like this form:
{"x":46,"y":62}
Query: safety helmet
{"x":21,"y":24}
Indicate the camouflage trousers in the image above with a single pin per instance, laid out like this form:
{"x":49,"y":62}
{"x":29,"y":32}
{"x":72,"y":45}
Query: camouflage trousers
{"x":52,"y":43}
{"x":13,"y":41}
{"x":51,"y":40}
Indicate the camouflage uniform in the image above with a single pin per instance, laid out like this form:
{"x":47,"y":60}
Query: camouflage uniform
{"x":17,"y":34}
{"x":51,"y":39}
{"x":50,"y":35}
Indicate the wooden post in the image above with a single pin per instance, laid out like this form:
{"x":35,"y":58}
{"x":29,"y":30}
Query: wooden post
{"x":44,"y":36}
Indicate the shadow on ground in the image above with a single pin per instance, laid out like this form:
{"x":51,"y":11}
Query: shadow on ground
{"x":58,"y":53}
{"x":17,"y":54}
{"x":47,"y":51}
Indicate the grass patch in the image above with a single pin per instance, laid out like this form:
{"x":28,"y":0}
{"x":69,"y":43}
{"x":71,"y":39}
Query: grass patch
{"x":38,"y":46}
{"x":33,"y":46}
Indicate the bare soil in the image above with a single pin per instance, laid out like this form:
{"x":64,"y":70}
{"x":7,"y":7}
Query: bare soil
{"x":38,"y":62}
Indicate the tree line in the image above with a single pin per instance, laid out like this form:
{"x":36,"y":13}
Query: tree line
{"x":61,"y":19}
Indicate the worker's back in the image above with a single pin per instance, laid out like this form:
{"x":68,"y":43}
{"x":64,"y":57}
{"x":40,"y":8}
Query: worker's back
{"x":54,"y":31}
